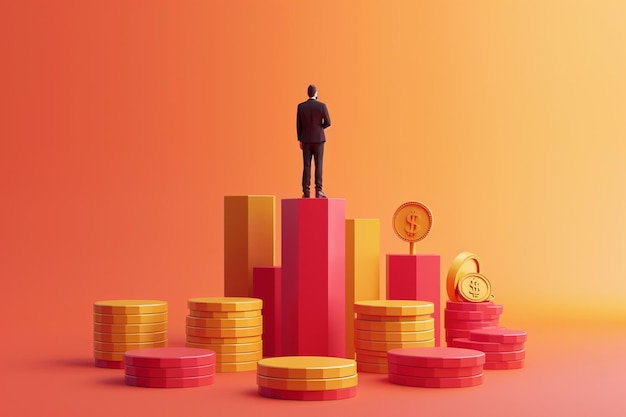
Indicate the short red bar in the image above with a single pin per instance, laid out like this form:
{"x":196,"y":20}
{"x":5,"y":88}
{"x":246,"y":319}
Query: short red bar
{"x":266,"y":285}
{"x":416,"y":277}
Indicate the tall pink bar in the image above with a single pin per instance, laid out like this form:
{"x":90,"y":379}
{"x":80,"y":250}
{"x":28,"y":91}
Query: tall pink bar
{"x":313,"y":277}
{"x":266,"y":285}
{"x":416,"y":277}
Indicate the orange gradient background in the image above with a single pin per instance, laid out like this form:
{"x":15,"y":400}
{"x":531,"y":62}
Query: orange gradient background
{"x":124,"y":123}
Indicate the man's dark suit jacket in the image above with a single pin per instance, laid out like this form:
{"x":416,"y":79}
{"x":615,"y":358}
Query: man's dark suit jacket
{"x":311,"y":121}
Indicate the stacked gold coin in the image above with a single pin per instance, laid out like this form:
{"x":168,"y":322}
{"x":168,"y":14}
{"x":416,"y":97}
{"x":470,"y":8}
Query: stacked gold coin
{"x":316,"y":378}
{"x":232,"y":327}
{"x":382,"y":325}
{"x":122,"y":325}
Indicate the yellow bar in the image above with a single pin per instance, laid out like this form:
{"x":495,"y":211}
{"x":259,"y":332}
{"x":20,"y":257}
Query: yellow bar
{"x":362,"y":269}
{"x":249,"y":240}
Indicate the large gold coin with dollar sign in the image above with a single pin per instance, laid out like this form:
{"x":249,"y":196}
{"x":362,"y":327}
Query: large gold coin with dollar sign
{"x":465,"y":263}
{"x":474,"y":288}
{"x":412,"y":222}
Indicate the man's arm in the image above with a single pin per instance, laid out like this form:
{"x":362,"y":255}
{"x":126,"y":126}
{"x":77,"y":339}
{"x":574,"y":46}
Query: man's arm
{"x":298,"y":123}
{"x":325,"y":117}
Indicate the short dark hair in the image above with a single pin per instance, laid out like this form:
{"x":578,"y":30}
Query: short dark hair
{"x":311,"y":90}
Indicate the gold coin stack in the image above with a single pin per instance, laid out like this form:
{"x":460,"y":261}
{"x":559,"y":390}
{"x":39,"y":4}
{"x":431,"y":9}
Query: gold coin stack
{"x":232,"y":327}
{"x":382,"y":325}
{"x":313,"y":378}
{"x":122,"y":325}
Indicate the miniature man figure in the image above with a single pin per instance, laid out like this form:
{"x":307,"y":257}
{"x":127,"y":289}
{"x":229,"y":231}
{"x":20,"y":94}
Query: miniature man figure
{"x":312,"y":119}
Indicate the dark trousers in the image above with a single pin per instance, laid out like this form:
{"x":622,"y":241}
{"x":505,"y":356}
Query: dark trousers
{"x":315,"y":151}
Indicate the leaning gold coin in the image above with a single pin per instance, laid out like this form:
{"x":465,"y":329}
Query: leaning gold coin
{"x":412,"y":221}
{"x":475,"y":288}
{"x":464,"y":263}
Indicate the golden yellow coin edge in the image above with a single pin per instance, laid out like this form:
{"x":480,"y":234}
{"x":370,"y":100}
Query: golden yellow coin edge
{"x":224,"y":332}
{"x":225,"y":314}
{"x":391,"y":326}
{"x":125,"y":346}
{"x":126,"y":337}
{"x":130,"y":319}
{"x":220,"y":323}
{"x":226,"y":367}
{"x":405,"y":336}
{"x":366,"y":344}
{"x":224,"y":340}
{"x":113,"y":328}
{"x":228,"y":347}
{"x":235,"y":357}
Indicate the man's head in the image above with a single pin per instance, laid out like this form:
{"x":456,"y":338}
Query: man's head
{"x":312,"y":91}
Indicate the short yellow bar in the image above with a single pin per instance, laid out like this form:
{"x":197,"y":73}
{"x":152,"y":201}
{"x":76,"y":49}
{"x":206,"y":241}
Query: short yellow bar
{"x":249,"y":240}
{"x":362,"y":269}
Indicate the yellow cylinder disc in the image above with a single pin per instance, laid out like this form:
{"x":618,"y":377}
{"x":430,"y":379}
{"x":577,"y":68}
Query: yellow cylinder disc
{"x":306,"y":367}
{"x":394,"y":307}
{"x":129,"y":306}
{"x":225,"y":304}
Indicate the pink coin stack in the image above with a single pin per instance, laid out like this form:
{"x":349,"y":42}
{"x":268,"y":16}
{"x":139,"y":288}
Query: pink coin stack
{"x":436,"y":367}
{"x":504,"y":348}
{"x":461,"y":317}
{"x":169,"y":367}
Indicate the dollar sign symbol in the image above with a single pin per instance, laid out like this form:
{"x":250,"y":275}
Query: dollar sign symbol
{"x":474,"y":288}
{"x":412,"y":219}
